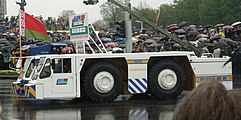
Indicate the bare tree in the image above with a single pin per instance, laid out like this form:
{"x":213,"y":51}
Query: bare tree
{"x":66,"y":13}
{"x":111,"y":13}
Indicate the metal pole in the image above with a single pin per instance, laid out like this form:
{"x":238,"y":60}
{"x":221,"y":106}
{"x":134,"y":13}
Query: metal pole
{"x":141,"y":25}
{"x":128,"y":29}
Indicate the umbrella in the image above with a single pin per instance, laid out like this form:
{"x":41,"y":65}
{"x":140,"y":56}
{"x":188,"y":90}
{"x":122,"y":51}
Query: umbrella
{"x":171,"y":25}
{"x":66,"y":49}
{"x":149,"y":32}
{"x":180,"y":31}
{"x":202,"y":36}
{"x":192,"y":26}
{"x":117,"y":50}
{"x":134,"y":40}
{"x":154,"y":45}
{"x":203,"y":39}
{"x":25,"y":47}
{"x":122,"y":46}
{"x":140,"y":41}
{"x":227,"y":27}
{"x":150,"y":41}
{"x":105,"y":39}
{"x":4,"y":34}
{"x":12,"y":34}
{"x":18,"y":53}
{"x":207,"y":26}
{"x":176,"y":45}
{"x":156,"y":38}
{"x":221,"y":44}
{"x":172,"y":28}
{"x":143,"y":37}
{"x":193,"y":33}
{"x":181,"y":36}
{"x":119,"y":39}
{"x":111,"y":44}
{"x":236,"y":23}
{"x":219,"y":25}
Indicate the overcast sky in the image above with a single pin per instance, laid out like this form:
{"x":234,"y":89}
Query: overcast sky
{"x":53,"y":8}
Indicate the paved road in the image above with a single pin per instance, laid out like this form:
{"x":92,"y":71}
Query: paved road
{"x":135,"y":108}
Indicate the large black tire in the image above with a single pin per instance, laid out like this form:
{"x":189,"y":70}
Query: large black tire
{"x":160,"y":87}
{"x":93,"y":91}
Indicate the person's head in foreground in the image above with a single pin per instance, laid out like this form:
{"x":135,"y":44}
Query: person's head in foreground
{"x":210,"y":100}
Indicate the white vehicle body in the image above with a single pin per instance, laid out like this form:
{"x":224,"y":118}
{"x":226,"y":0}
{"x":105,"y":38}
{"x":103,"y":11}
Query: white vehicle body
{"x":102,"y":77}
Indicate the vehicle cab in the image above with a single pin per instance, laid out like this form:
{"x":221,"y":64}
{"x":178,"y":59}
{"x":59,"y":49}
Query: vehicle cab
{"x":28,"y":68}
{"x":54,"y":77}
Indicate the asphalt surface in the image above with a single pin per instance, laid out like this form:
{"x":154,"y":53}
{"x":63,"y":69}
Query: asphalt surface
{"x":124,"y":108}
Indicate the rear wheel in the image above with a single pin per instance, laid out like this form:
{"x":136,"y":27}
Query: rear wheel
{"x":166,"y":79}
{"x":102,"y":82}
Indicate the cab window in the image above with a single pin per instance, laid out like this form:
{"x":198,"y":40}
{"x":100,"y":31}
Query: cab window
{"x":31,"y":66}
{"x":62,"y":65}
{"x":46,"y":72}
{"x":29,"y":70}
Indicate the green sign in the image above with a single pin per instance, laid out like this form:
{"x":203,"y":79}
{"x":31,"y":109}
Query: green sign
{"x":80,"y":30}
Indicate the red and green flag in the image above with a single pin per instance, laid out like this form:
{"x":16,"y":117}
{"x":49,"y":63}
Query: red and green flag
{"x":32,"y":27}
{"x":157,"y":15}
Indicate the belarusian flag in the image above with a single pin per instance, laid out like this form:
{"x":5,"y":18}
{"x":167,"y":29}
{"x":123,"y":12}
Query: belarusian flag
{"x":32,"y":27}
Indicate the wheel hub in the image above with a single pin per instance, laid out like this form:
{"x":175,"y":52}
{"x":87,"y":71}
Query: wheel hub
{"x":104,"y":82}
{"x":167,"y":79}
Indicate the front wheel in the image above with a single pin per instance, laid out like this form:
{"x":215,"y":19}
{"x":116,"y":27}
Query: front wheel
{"x":166,"y":79}
{"x":102,"y":82}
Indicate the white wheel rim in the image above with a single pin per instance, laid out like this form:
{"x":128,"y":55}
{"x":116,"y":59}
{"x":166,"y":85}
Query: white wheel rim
{"x":104,"y":82}
{"x":167,"y":79}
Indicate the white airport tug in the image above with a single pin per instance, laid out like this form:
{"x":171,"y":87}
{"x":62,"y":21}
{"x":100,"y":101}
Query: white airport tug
{"x":103,"y":77}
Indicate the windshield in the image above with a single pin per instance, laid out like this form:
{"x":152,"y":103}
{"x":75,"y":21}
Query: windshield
{"x":31,"y":67}
{"x":26,"y":63}
{"x":40,"y":63}
{"x":39,"y":66}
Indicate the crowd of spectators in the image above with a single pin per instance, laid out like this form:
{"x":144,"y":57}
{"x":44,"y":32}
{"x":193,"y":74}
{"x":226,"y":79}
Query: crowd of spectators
{"x":220,"y":40}
{"x":51,"y":23}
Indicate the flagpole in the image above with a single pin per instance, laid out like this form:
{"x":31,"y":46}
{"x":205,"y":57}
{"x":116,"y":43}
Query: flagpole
{"x":20,"y":42}
{"x":21,"y":55}
{"x":21,"y":14}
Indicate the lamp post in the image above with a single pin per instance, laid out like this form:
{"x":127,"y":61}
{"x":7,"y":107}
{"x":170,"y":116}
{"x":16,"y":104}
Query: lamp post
{"x":128,"y":29}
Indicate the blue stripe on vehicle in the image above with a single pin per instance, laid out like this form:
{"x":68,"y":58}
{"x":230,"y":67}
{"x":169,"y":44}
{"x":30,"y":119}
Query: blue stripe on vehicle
{"x":144,"y":79}
{"x":139,"y":81}
{"x":135,"y":85}
{"x":131,"y":89}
